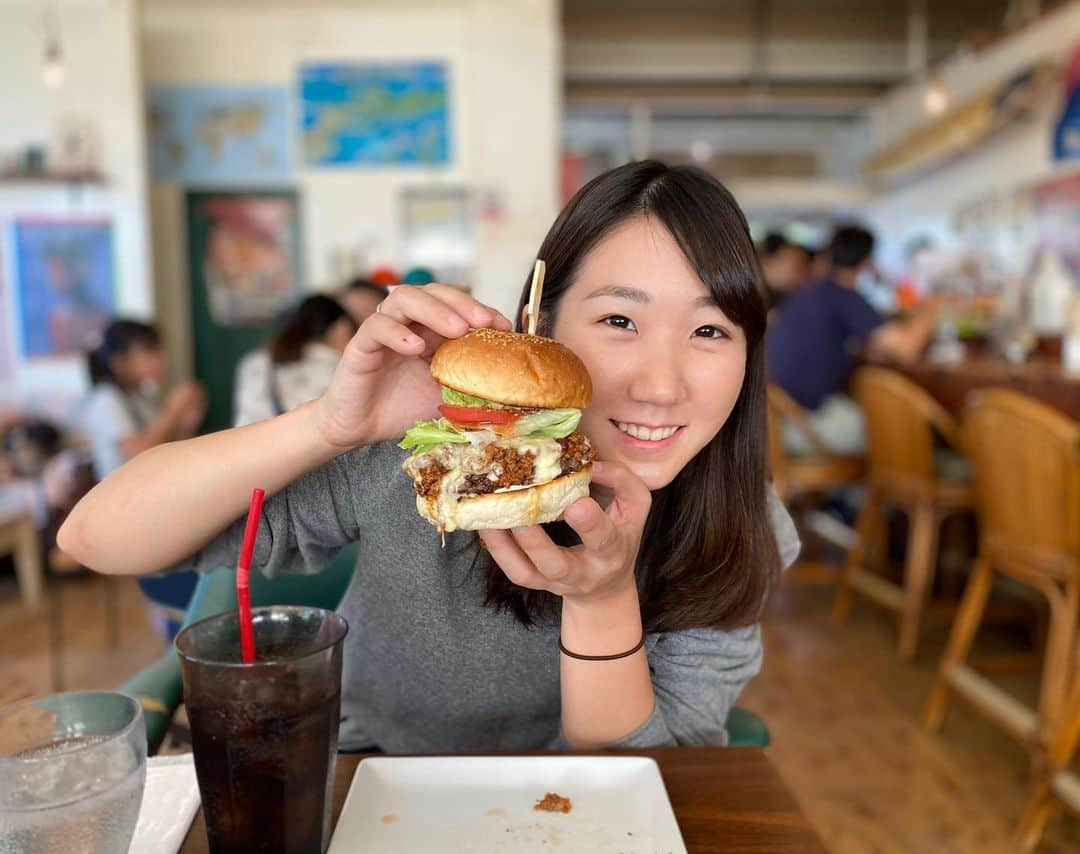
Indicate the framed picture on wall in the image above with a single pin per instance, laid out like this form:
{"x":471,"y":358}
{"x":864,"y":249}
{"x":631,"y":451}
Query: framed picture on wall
{"x":245,"y":253}
{"x":437,"y":225}
{"x":64,"y":283}
{"x":7,"y":330}
{"x":375,"y":113}
{"x":244,"y":264}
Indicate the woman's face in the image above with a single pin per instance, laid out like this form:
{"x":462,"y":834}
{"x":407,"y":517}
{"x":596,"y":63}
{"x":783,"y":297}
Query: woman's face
{"x":138,"y":364}
{"x":666,"y":363}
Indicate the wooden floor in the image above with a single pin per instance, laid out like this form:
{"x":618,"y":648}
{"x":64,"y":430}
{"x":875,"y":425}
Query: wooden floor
{"x":842,"y":710}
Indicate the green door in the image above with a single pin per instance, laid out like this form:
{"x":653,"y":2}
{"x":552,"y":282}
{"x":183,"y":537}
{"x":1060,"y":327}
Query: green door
{"x":244,"y":269}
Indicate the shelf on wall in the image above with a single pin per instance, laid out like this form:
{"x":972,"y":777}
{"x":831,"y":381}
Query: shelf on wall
{"x":52,"y":178}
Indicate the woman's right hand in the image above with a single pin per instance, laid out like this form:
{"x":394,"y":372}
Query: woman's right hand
{"x":382,"y":384}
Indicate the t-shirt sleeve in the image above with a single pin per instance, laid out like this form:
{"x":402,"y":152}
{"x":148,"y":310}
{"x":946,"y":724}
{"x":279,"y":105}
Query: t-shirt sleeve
{"x":859,"y":318}
{"x":784,"y":530}
{"x":303,"y":526}
{"x":108,"y":422}
{"x":697,"y":674}
{"x":108,"y":415}
{"x":251,"y":395}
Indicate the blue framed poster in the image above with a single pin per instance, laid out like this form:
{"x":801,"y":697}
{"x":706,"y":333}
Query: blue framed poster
{"x":375,"y":114}
{"x":64,"y":283}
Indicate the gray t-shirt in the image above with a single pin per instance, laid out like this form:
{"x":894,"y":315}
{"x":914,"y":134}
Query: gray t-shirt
{"x":427,"y":666}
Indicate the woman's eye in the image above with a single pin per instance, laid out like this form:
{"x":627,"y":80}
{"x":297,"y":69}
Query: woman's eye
{"x":619,"y":322}
{"x":710,"y":332}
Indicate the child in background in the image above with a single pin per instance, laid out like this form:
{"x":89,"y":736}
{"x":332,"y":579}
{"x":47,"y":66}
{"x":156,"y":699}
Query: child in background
{"x":125,"y":415}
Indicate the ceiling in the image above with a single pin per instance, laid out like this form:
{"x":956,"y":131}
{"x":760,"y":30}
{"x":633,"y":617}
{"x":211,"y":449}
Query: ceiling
{"x":765,"y":56}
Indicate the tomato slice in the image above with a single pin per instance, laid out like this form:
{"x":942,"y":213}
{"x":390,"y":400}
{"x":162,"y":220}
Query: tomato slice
{"x":468,"y":416}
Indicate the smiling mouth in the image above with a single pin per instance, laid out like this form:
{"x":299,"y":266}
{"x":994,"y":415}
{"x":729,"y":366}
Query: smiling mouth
{"x":645,"y":433}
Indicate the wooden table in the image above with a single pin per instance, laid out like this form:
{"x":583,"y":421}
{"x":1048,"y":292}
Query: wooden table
{"x":725,"y":799}
{"x":1041,"y":378}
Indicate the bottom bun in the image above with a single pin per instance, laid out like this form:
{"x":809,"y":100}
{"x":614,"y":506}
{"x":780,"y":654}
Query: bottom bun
{"x":502,"y":510}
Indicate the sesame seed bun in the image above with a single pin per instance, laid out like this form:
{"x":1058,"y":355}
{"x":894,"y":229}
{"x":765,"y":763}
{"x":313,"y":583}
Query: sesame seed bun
{"x":513,"y":369}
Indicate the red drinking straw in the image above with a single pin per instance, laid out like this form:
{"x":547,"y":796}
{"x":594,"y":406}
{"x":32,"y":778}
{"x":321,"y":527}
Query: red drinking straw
{"x":243,"y":576}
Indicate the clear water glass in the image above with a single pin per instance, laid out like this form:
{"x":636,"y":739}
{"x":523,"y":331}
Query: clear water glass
{"x":72,"y":770}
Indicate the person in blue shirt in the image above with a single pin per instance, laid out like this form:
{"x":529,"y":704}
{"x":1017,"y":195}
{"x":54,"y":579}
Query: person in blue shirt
{"x":820,"y":331}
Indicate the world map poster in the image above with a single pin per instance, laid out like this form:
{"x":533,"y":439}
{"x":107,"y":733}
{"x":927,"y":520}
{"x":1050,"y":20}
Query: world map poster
{"x":219,"y":134}
{"x":381,"y":114}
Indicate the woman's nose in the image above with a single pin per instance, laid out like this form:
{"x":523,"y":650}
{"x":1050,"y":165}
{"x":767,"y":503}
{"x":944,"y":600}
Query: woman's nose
{"x":657,"y":377}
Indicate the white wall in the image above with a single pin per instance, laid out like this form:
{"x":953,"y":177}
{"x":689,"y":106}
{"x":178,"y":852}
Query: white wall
{"x":102,"y":83}
{"x":503,"y":62}
{"x":1016,"y":158}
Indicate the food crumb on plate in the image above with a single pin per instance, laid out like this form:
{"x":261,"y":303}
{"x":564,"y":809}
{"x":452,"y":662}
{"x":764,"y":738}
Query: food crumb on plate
{"x":389,"y":818}
{"x":496,"y":812}
{"x":552,"y":802}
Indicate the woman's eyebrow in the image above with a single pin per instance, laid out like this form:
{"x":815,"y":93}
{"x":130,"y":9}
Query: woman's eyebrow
{"x":621,"y":292}
{"x":639,"y":296}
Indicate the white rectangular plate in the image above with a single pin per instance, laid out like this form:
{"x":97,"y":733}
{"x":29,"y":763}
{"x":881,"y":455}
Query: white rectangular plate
{"x":485,"y":804}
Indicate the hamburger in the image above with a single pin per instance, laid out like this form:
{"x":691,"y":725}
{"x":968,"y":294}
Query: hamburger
{"x":505,"y":452}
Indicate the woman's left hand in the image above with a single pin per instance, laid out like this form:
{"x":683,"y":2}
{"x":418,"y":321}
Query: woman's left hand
{"x":604,"y":562}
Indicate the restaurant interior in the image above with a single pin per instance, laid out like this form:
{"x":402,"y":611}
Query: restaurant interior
{"x":202,"y":202}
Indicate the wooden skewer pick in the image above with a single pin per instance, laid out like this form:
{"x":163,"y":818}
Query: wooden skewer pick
{"x":535,"y":292}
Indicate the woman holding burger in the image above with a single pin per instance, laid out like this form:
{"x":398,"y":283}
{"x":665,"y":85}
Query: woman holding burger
{"x":534,"y":639}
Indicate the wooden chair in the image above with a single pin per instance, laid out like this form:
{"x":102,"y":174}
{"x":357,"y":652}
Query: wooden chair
{"x":1055,"y":784}
{"x":19,"y":537}
{"x":901,"y":423}
{"x":1027,"y":486}
{"x":792,"y":475}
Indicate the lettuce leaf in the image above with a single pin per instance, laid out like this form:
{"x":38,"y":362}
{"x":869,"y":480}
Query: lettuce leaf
{"x":459,"y":398}
{"x":424,"y":436}
{"x":549,"y":423}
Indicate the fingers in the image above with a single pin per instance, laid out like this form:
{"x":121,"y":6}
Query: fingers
{"x":478,"y":314}
{"x":419,"y":305}
{"x":551,"y":561}
{"x":382,"y":330}
{"x":414,"y":321}
{"x":512,"y":560}
{"x":593,"y":525}
{"x":632,"y":496}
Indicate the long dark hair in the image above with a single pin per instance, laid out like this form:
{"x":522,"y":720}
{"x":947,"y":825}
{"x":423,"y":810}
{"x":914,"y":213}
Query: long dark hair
{"x":118,"y":337}
{"x":310,"y":321}
{"x":708,"y":556}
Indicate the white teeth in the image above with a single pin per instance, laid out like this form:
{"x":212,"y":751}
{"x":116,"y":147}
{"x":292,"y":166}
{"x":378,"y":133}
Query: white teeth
{"x":654,"y":434}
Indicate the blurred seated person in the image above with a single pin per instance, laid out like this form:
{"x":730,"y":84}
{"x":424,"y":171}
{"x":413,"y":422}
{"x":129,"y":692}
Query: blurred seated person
{"x":125,"y":414}
{"x":296,"y":365}
{"x":819,"y":332}
{"x":37,"y":472}
{"x":820,"y":263}
{"x":361,"y":298}
{"x":784,"y":266}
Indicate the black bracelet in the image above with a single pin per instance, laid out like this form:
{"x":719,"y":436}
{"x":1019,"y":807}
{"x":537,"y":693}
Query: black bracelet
{"x":615,"y":657}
